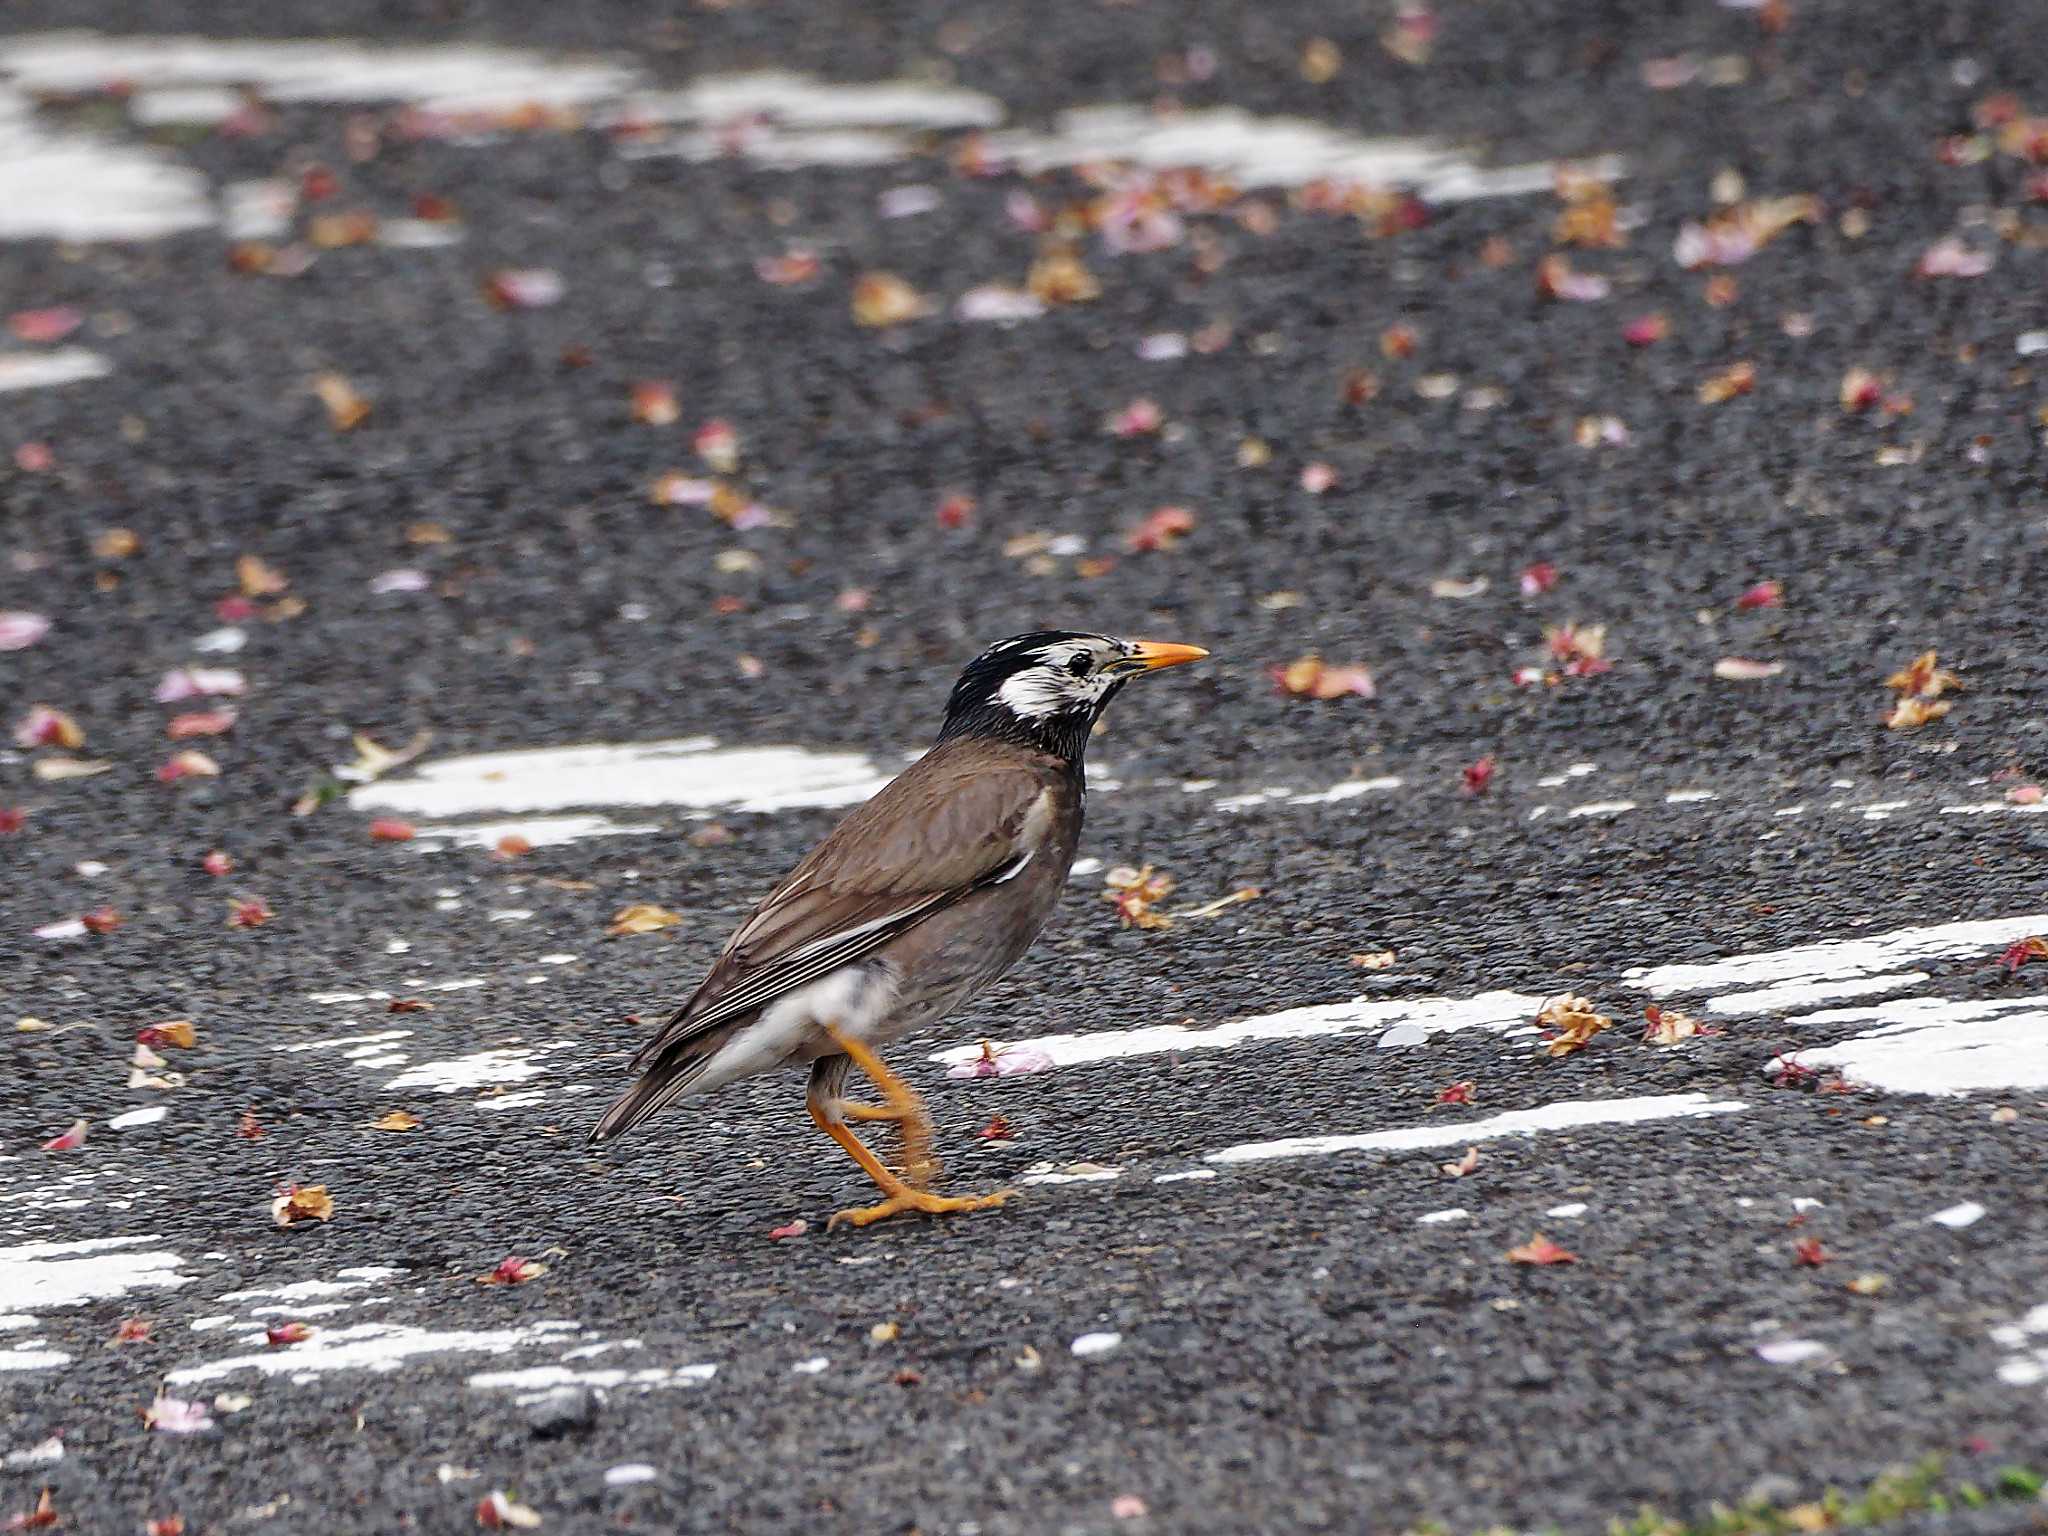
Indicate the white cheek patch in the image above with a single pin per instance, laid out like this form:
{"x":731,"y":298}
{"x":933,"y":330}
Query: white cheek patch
{"x":1040,"y":692}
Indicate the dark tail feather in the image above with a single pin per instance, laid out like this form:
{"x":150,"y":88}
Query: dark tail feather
{"x":664,"y":1083}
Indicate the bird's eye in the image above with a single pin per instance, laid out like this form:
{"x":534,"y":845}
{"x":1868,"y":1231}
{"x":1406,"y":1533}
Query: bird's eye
{"x":1079,"y":666}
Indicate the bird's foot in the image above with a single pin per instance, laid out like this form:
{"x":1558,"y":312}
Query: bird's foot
{"x":921,"y":1201}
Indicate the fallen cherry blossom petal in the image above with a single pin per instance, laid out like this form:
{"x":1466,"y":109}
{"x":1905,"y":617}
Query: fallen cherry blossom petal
{"x":995,"y":303}
{"x":1556,"y":279}
{"x":1141,"y":417}
{"x":12,"y":818}
{"x":178,"y":1033}
{"x":44,"y":1513}
{"x":1923,"y":677}
{"x":69,"y":1140}
{"x":718,"y":445}
{"x":188,"y":764}
{"x":1163,"y":347}
{"x":1667,"y":1026}
{"x":1317,"y":478}
{"x":641,"y":917}
{"x":19,"y":631}
{"x":1005,"y":1061}
{"x":63,"y":928}
{"x":956,"y":511}
{"x":302,"y":1202}
{"x":1726,"y":383}
{"x":1311,"y":677}
{"x":347,"y":409}
{"x":279,"y":1334}
{"x":1456,"y":1093}
{"x":251,"y":912}
{"x":1861,"y":389}
{"x":674,"y":490}
{"x":1538,"y":578}
{"x":997,"y":1129}
{"x":176,"y":1416}
{"x":1453,"y":590}
{"x":2019,"y":794}
{"x":1809,"y":1254}
{"x":403,"y":579}
{"x":101,"y":920}
{"x":1742,"y":669}
{"x":1541,"y":1250}
{"x":1950,"y":257}
{"x":511,"y":846}
{"x":1059,"y":277}
{"x":789,"y":269}
{"x":2017,"y":955}
{"x":1478,"y":775}
{"x":1646,"y":330}
{"x":1574,"y":1022}
{"x":44,"y":726}
{"x":199,"y":682}
{"x":1765,"y":594}
{"x":524,"y":287}
{"x":795,"y":1228}
{"x":389,"y":830}
{"x":883,"y":299}
{"x":513,"y":1270}
{"x":1128,"y":1506}
{"x":654,"y":403}
{"x":1161,"y":530}
{"x":45,"y":325}
{"x":907,"y":202}
{"x":206,"y":722}
{"x":499,"y":1511}
{"x":1469,"y":1163}
{"x":54,"y":770}
{"x":1911,"y":713}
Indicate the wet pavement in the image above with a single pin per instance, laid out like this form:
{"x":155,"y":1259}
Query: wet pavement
{"x":530,"y":413}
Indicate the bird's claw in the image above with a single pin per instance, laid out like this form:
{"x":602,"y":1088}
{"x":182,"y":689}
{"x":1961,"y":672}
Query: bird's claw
{"x":923,"y":1202}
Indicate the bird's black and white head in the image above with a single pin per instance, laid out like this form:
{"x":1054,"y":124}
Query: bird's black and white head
{"x":1047,"y":689}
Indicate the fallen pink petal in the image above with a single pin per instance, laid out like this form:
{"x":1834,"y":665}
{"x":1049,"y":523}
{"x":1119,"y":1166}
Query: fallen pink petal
{"x":200,"y":682}
{"x":997,"y":304}
{"x":1950,"y":257}
{"x":70,"y":1140}
{"x":45,"y":325}
{"x":19,"y":631}
{"x":1003,"y":1061}
{"x":177,"y":1416}
{"x":1743,"y":669}
{"x":403,"y":580}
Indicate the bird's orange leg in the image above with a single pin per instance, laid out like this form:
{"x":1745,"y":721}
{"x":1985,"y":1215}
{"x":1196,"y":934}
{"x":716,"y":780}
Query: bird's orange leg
{"x":903,"y":1106}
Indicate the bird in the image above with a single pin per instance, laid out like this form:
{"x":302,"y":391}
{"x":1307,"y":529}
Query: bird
{"x":916,"y":901}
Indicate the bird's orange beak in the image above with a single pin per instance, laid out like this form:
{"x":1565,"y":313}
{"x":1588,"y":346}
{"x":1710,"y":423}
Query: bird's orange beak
{"x":1150,"y":655}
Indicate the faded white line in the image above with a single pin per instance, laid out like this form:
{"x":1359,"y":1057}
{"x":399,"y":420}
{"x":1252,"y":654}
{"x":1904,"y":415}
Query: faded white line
{"x":1838,"y":959}
{"x":1939,"y":1046}
{"x":1567,"y":1116}
{"x":690,"y":772}
{"x":372,"y":1347}
{"x":1806,"y":994}
{"x":1488,"y":1010}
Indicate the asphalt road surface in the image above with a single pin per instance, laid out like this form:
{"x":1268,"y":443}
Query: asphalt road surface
{"x":1416,"y":415}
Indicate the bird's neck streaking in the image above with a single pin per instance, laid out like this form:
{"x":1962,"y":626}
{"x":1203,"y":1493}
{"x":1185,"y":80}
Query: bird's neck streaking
{"x":1064,"y":733}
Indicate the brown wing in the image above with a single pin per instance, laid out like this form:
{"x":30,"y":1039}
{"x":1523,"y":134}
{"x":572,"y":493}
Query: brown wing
{"x":949,"y":825}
